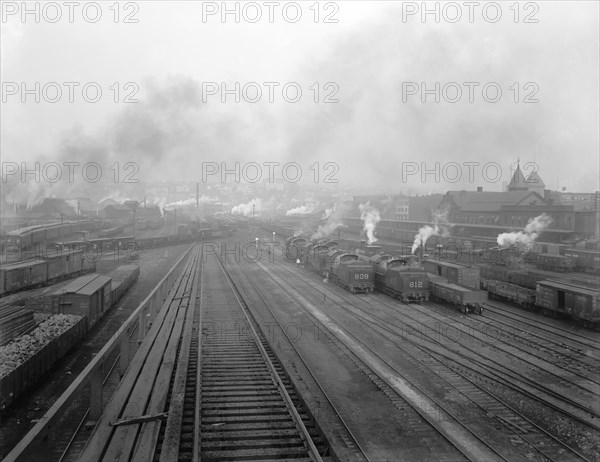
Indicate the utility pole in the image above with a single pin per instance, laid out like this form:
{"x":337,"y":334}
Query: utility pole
{"x":597,"y":209}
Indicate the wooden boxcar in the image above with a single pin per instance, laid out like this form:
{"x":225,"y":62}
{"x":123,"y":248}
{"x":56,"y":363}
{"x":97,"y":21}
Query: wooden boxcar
{"x":88,"y":296}
{"x":467,"y":276}
{"x":578,"y":302}
{"x":28,"y":274}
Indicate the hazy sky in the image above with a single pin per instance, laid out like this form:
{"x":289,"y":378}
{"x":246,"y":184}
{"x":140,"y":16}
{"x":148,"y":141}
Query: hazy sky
{"x":373,"y":61}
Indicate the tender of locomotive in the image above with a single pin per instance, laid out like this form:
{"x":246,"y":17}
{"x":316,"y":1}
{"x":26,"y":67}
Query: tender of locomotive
{"x":407,"y":283}
{"x":352,"y":274}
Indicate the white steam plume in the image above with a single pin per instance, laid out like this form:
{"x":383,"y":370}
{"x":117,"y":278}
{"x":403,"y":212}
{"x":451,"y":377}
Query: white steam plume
{"x":192,"y":201}
{"x":440,"y":217}
{"x":370,"y":217}
{"x":302,"y":210}
{"x":246,"y":209}
{"x":531,"y":232}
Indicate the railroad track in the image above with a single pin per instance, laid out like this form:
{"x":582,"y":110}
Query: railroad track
{"x":580,"y":359}
{"x":581,"y":340}
{"x":433,"y":419}
{"x":522,"y":428}
{"x":512,"y":343}
{"x":249,"y":408}
{"x":354,"y":451}
{"x":205,"y":386}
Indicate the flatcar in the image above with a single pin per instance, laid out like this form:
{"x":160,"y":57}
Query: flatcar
{"x":467,"y":300}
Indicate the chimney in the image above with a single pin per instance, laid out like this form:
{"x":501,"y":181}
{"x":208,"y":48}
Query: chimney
{"x":479,"y":189}
{"x":197,"y":194}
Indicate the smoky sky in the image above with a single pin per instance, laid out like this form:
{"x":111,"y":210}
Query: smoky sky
{"x":373,"y":129}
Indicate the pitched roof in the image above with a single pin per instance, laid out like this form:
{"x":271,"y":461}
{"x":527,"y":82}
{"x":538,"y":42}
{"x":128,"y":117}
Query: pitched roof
{"x":518,"y":182}
{"x":535,"y":181}
{"x":84,"y":285}
{"x":491,"y":201}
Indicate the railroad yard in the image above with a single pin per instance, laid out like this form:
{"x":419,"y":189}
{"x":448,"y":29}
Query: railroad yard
{"x":253,"y":356}
{"x":300,"y":231}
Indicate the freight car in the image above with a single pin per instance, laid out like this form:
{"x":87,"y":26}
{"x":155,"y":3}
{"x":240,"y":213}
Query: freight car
{"x":30,"y":274}
{"x":89,"y":296}
{"x":407,"y":283}
{"x":560,"y":263}
{"x":33,"y":236}
{"x":466,"y":299}
{"x":352,"y":274}
{"x":122,"y":279}
{"x":579,"y":303}
{"x":468,"y":276}
{"x":585,"y":260}
{"x":511,"y":292}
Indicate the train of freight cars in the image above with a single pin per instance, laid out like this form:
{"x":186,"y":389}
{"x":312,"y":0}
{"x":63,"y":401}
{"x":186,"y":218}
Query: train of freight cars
{"x":30,"y":274}
{"x":556,"y":294}
{"x":400,"y":277}
{"x":64,"y":260}
{"x":31,"y":236}
{"x":91,"y":297}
